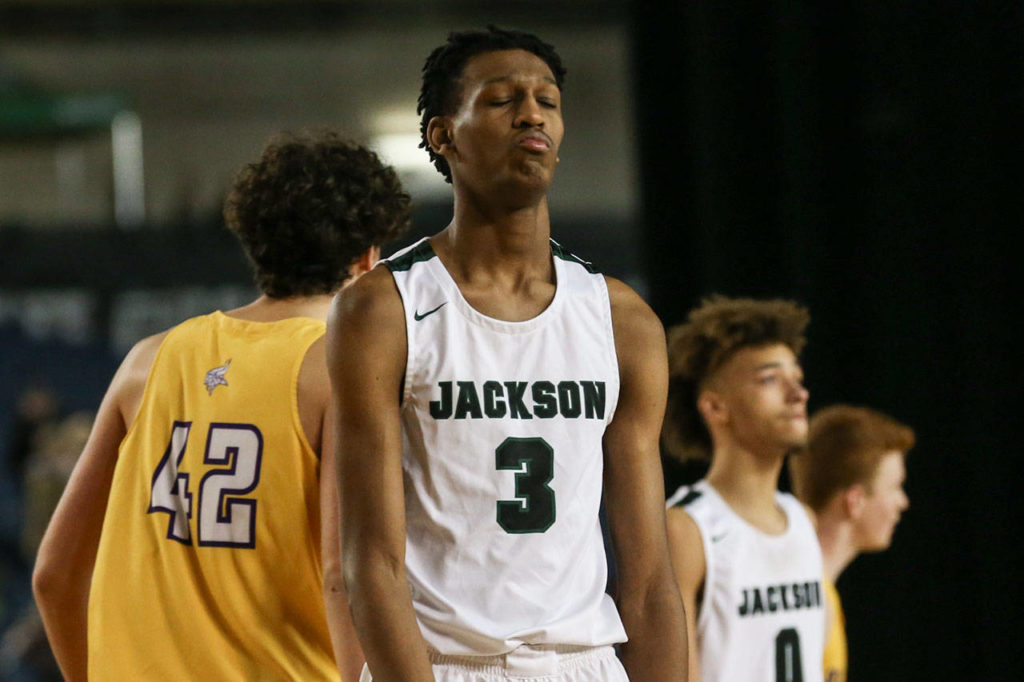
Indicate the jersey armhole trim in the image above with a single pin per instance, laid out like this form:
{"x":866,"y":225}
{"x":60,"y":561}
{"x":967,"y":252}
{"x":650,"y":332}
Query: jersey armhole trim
{"x":606,"y":304}
{"x":405,"y":392}
{"x":709,"y":567}
{"x":296,"y":370}
{"x":146,"y":398}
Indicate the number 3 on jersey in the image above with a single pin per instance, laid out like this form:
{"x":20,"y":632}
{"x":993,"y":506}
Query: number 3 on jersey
{"x":533,"y":510}
{"x":224,"y":520}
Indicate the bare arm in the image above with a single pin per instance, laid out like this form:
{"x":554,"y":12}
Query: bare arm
{"x":688,"y":564}
{"x":366,"y":359}
{"x":634,"y":496}
{"x":347,"y":651}
{"x":318,"y":423}
{"x":67,"y":554}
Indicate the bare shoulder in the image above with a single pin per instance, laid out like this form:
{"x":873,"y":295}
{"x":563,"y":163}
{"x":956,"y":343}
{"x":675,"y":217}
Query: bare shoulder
{"x":370,"y":301}
{"x":139,"y":359}
{"x":366,"y":336}
{"x":682,"y":527}
{"x":639,"y":335}
{"x":314,"y":393}
{"x":632,"y":318}
{"x":686,"y":548}
{"x":129,"y":382}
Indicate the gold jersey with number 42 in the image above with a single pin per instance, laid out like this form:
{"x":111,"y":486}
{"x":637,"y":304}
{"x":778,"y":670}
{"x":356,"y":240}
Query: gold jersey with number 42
{"x":209,"y":563}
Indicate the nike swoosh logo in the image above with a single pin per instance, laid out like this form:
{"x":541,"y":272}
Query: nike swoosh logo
{"x":717,"y":538}
{"x":417,"y":316}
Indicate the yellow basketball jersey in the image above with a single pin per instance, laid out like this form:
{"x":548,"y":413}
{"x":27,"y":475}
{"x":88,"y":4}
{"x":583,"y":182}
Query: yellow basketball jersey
{"x":835,"y":644}
{"x":209,"y":563}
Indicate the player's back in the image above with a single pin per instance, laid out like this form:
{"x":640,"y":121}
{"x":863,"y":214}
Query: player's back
{"x":209,"y":562}
{"x":761,"y":614}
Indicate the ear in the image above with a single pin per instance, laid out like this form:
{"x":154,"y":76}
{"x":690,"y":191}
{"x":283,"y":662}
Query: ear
{"x":364,"y":263}
{"x":439,"y":135}
{"x":712,"y":407}
{"x":853,"y":501}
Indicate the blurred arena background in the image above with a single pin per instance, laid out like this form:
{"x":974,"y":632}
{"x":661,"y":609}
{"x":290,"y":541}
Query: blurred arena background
{"x":864,"y":158}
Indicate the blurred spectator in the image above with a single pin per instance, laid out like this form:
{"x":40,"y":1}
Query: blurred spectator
{"x":37,"y":405}
{"x":51,"y":449}
{"x":46,"y":473}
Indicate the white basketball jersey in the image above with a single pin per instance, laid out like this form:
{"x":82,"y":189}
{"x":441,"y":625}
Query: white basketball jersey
{"x":762,"y":616}
{"x":502,"y":458}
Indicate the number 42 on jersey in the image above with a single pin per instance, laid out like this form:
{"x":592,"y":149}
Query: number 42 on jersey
{"x":224,"y":519}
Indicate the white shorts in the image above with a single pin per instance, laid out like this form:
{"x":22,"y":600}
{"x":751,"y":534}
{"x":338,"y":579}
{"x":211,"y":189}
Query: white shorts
{"x":538,"y":663}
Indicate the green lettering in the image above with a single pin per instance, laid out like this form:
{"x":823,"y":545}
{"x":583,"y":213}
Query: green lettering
{"x":468,"y":402}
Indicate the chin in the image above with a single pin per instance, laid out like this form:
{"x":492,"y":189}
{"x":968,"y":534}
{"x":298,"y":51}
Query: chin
{"x":529,"y":184}
{"x":797,"y":442}
{"x":879,"y":544}
{"x":875,"y":547}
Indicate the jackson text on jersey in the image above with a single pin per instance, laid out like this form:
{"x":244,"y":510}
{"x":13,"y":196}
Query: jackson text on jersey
{"x":519,"y":400}
{"x":781,"y":597}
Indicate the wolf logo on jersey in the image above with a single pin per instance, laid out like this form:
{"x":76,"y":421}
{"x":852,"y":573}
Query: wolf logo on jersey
{"x":215,"y":377}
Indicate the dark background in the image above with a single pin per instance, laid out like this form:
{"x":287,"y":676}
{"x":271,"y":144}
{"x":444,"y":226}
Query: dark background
{"x":864,"y":158}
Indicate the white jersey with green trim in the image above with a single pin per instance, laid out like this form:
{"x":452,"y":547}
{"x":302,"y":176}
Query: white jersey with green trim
{"x":502,"y":425}
{"x":762,"y":616}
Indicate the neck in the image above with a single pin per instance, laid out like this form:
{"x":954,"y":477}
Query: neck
{"x":524,"y":216}
{"x":267,"y":309}
{"x":748,"y":482}
{"x":496,"y":239}
{"x":837,"y":546}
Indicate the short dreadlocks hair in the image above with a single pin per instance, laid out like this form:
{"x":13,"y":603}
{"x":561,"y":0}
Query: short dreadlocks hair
{"x":309,"y":208}
{"x":711,"y":335}
{"x":439,"y":93}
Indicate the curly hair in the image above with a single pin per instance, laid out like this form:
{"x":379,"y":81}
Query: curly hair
{"x":444,"y":67}
{"x":845,"y":444}
{"x":309,"y":208}
{"x":711,"y":335}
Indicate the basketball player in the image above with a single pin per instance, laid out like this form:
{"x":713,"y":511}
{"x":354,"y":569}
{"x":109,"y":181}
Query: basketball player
{"x":746,"y":557}
{"x":487,"y":383}
{"x":851,"y":475}
{"x":187,"y":544}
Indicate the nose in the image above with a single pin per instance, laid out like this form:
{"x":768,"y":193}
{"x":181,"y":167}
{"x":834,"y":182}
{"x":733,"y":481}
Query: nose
{"x":529,"y":113}
{"x":904,"y":501}
{"x":798,"y":393}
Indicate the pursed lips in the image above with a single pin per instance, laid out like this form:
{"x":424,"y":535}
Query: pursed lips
{"x":534,"y":141}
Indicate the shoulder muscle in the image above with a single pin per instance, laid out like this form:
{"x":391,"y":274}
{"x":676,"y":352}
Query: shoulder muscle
{"x":687,"y":551}
{"x":129,"y":383}
{"x":366,"y":333}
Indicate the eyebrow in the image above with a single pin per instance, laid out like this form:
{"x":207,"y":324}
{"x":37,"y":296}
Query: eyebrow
{"x":502,"y":79}
{"x":777,"y":365}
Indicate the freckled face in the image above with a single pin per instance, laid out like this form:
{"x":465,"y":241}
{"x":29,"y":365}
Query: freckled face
{"x":884,"y":503}
{"x":508,"y":127}
{"x":766,"y":402}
